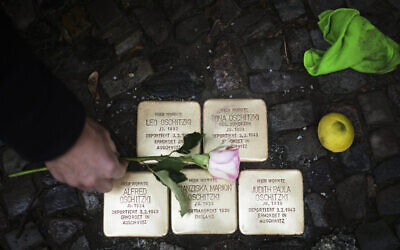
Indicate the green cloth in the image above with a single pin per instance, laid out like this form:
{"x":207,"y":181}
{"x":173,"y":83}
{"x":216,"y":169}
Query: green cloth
{"x":355,"y":43}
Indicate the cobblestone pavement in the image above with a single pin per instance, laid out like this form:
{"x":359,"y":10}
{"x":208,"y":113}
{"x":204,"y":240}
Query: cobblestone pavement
{"x":196,"y":50}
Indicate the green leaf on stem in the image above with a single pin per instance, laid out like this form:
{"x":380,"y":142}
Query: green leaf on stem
{"x":164,"y":177}
{"x":190,"y":141}
{"x":170,"y":164}
{"x":173,"y":166}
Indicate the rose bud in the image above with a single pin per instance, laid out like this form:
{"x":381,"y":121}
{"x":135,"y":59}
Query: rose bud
{"x":224,"y":164}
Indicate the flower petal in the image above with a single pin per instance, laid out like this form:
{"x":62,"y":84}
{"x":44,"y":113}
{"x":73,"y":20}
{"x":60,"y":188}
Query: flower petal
{"x":222,"y":156}
{"x":218,"y":173}
{"x":229,"y":168}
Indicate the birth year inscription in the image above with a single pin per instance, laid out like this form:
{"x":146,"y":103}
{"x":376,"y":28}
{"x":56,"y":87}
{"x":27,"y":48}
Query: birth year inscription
{"x":213,"y":208}
{"x":241,"y":123}
{"x":136,"y":206}
{"x":162,"y":125}
{"x":271,"y":202}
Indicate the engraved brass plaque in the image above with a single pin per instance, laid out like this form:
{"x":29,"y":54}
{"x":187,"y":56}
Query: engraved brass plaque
{"x":241,"y":123}
{"x":161,"y":126}
{"x":271,"y":202}
{"x":136,"y":206}
{"x":213,"y":208}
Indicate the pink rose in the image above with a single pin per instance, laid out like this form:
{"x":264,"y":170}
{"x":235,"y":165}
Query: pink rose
{"x":224,"y":164}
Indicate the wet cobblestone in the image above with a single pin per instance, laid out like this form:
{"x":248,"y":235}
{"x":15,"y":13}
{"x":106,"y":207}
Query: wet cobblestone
{"x":197,"y":50}
{"x":293,"y":115}
{"x":353,"y":206}
{"x":60,"y":198}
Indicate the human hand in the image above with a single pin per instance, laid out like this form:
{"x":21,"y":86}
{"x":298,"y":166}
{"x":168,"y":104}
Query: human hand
{"x":92,"y":163}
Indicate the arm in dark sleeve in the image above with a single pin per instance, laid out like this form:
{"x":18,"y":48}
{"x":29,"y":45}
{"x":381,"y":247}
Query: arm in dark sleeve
{"x":39,"y":117}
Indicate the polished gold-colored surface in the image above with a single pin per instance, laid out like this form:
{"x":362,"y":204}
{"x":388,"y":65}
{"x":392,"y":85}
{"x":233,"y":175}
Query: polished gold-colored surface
{"x":271,"y":202}
{"x":241,"y":123}
{"x":161,"y":126}
{"x":137,"y":206}
{"x":213,"y":206}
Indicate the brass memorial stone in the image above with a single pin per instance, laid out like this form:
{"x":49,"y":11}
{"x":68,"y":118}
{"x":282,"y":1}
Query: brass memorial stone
{"x":136,"y":206}
{"x":213,"y":207}
{"x":161,"y":126}
{"x":241,"y":123}
{"x":271,"y":202}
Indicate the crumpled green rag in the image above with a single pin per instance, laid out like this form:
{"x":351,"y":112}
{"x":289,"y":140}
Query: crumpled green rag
{"x":355,"y":43}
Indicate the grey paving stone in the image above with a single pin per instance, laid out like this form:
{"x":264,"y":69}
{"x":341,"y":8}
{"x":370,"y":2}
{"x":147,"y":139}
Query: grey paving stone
{"x":318,"y":6}
{"x":246,"y":3}
{"x":276,"y":81}
{"x":154,"y":24}
{"x":80,"y":244}
{"x":394,"y":95}
{"x":179,"y":9}
{"x":21,"y":12}
{"x":352,"y":196}
{"x":302,"y":144}
{"x":261,"y":28}
{"x":375,"y":108}
{"x":342,"y":82}
{"x":60,"y":198}
{"x":395,"y":3}
{"x":355,"y":159}
{"x":91,"y":200}
{"x":192,"y":28}
{"x":118,"y":33}
{"x":264,"y":54}
{"x":248,"y":19}
{"x":227,"y":244}
{"x":376,"y":235}
{"x":384,"y":143}
{"x":105,"y":14}
{"x":388,"y":200}
{"x":125,"y":76}
{"x":12,"y":162}
{"x":204,"y":3}
{"x":388,"y":170}
{"x":75,"y":22}
{"x":359,"y":4}
{"x":384,"y":17}
{"x":47,"y":179}
{"x":397,"y":228}
{"x":182,"y":82}
{"x":166,"y":246}
{"x":319,"y":176}
{"x":226,"y":66}
{"x":292,"y":115}
{"x":62,"y":230}
{"x":283,"y":244}
{"x":17,"y":195}
{"x":318,"y":40}
{"x":164,"y":58}
{"x":3,"y":220}
{"x":316,"y":205}
{"x":229,"y":10}
{"x":298,"y":41}
{"x":30,"y":238}
{"x":289,"y":9}
{"x":336,"y":241}
{"x":128,"y":43}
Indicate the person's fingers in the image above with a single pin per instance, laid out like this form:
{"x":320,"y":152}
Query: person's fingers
{"x":56,"y":173}
{"x":104,"y":185}
{"x":120,"y":170}
{"x":112,"y":146}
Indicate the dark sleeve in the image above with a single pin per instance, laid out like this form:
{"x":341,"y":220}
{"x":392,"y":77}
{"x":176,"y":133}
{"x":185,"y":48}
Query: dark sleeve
{"x":39,"y":117}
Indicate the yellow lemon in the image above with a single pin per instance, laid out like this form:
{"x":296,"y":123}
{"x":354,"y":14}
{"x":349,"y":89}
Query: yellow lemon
{"x":335,"y":132}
